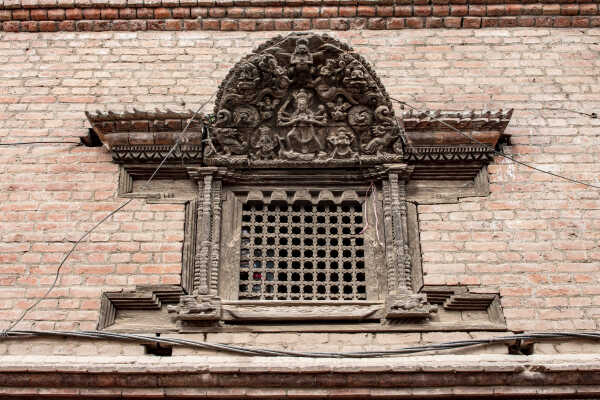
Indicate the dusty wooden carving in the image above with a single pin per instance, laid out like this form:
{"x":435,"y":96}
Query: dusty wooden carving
{"x":300,"y":182}
{"x":302,"y":100}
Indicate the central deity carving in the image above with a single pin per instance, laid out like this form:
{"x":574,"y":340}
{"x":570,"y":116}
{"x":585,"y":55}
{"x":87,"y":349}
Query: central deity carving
{"x":303,"y":99}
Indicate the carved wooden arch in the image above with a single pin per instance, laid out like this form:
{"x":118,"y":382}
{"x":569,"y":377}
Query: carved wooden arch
{"x":304,"y":121}
{"x":303,"y":100}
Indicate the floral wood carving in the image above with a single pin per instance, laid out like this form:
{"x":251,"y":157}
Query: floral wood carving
{"x":303,"y":99}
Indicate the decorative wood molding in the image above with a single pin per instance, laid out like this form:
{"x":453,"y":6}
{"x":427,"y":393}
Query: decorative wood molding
{"x":142,"y":298}
{"x":300,"y":191}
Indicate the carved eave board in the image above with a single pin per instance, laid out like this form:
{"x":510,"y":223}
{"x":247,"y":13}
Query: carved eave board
{"x":303,"y":149}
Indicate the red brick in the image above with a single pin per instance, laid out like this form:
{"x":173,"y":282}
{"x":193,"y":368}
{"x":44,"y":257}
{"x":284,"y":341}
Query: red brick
{"x":273,"y":12}
{"x":321,"y":23}
{"x":5,"y":15}
{"x":395,"y":23}
{"x":329,"y":12}
{"x":310,"y":12}
{"x":472,"y":22}
{"x":581,"y":22}
{"x":162,"y":13}
{"x":173,"y":25}
{"x":526,"y":21}
{"x":385,"y":11}
{"x":180,"y":12}
{"x":496,"y":10}
{"x":39,"y":14}
{"x":544,"y":21}
{"x":67,"y":26}
{"x":255,"y":12}
{"x":48,"y":26}
{"x":74,"y":13}
{"x":441,"y":11}
{"x":56,"y":14}
{"x":210,"y":24}
{"x":30,"y":26}
{"x":551,"y":9}
{"x":569,"y":9}
{"x":452,"y":22}
{"x":102,"y":26}
{"x":414,"y":23}
{"x":247,"y":25}
{"x":199,"y":12}
{"x":235,"y":12}
{"x":477,"y":11}
{"x":347,"y":11}
{"x":422,"y":11}
{"x":229,"y":25}
{"x":91,"y":13}
{"x":292,"y":12}
{"x":191,"y":25}
{"x":366,"y":11}
{"x":21,"y":14}
{"x":216,"y":12}
{"x":339,"y":24}
{"x":489,"y":22}
{"x":532,"y":9}
{"x":562,"y":22}
{"x":11,"y":26}
{"x":283,"y":24}
{"x":594,"y":22}
{"x":403,"y":11}
{"x":120,"y":25}
{"x":459,"y":10}
{"x":507,"y":22}
{"x":109,"y":13}
{"x":301,"y":24}
{"x":376,"y":23}
{"x":434,"y":23}
{"x":588,"y":9}
{"x":138,"y":25}
{"x":265,"y":25}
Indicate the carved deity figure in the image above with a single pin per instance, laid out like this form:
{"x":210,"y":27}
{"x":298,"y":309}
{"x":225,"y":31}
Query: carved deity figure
{"x":264,"y":148}
{"x":267,"y":107}
{"x":248,"y":77}
{"x":301,"y":60}
{"x":230,"y":141}
{"x":339,"y":109}
{"x":341,"y":139}
{"x":302,"y":139}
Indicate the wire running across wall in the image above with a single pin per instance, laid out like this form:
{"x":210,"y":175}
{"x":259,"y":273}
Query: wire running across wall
{"x":265,"y":352}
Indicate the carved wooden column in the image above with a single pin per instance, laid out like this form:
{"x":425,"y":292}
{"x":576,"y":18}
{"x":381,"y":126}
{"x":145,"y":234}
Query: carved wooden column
{"x":402,"y":301}
{"x":204,"y":305}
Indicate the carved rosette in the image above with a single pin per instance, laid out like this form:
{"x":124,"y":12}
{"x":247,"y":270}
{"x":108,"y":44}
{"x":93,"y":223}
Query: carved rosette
{"x":303,"y":100}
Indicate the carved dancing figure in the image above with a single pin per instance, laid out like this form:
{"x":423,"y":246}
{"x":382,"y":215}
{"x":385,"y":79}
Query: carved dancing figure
{"x":302,"y":139}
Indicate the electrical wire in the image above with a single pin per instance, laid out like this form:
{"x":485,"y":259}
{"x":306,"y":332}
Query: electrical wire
{"x":497,"y":152}
{"x":220,"y":347}
{"x":113,"y":212}
{"x":25,"y":143}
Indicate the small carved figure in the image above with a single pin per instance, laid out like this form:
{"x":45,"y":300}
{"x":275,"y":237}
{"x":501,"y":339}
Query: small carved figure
{"x":230,"y":141}
{"x":355,"y":77}
{"x":339,"y":109}
{"x":267,"y":107}
{"x":248,"y":77}
{"x":245,"y":116}
{"x":383,"y":137}
{"x":341,"y":139}
{"x":301,"y":60}
{"x":265,"y":146}
{"x":302,"y":138}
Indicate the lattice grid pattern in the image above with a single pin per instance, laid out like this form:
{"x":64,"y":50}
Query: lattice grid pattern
{"x":302,"y":252}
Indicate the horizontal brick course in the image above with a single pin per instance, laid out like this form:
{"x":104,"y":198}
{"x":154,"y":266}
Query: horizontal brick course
{"x":320,"y":15}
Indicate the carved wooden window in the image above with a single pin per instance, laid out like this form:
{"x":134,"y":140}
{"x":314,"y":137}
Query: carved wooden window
{"x":304,"y":245}
{"x":299,"y":196}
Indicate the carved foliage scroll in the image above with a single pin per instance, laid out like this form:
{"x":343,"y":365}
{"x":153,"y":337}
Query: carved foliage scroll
{"x":303,"y":100}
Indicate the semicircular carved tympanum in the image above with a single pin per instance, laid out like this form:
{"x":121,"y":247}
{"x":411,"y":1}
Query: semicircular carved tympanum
{"x":303,"y":99}
{"x":299,"y":196}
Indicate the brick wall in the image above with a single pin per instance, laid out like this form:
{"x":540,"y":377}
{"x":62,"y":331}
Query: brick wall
{"x":535,"y":239}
